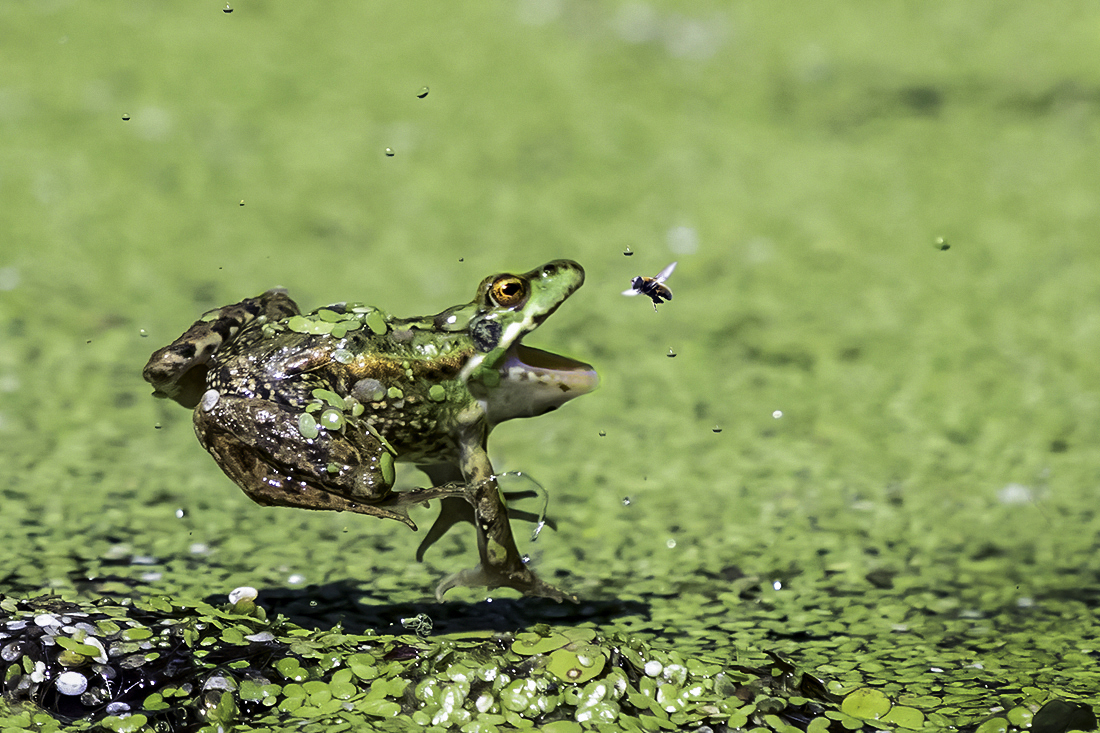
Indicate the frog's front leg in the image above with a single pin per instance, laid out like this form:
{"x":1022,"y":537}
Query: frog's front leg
{"x":456,"y":510}
{"x":259,"y":444}
{"x":501,"y":564}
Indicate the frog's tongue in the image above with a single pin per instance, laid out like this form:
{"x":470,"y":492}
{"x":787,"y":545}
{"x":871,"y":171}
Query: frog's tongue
{"x":533,"y":382}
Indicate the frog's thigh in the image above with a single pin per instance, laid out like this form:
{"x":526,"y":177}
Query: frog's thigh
{"x":258,"y":441}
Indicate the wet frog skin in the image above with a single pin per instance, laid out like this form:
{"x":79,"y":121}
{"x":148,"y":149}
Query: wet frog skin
{"x":312,"y":410}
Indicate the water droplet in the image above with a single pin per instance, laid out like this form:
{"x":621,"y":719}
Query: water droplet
{"x":180,"y":514}
{"x":671,"y":354}
{"x":422,"y":93}
{"x":125,"y":117}
{"x":227,"y":9}
{"x":157,"y":426}
{"x":626,"y":501}
{"x":670,"y":543}
{"x":242,"y":593}
{"x":209,"y":400}
{"x":242,"y":202}
{"x":389,"y":152}
{"x":627,"y":252}
{"x":777,"y":414}
{"x":941,"y":244}
{"x":526,"y":559}
{"x":716,"y":429}
{"x":461,"y":259}
{"x":603,"y":433}
{"x":777,"y":585}
{"x":143,"y":333}
{"x":71,"y":683}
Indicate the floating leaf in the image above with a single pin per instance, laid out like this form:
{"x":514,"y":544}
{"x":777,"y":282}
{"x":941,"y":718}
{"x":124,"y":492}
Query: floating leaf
{"x":866,"y":703}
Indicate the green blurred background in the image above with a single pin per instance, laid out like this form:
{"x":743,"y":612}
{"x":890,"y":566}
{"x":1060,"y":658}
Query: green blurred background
{"x":801,"y":162}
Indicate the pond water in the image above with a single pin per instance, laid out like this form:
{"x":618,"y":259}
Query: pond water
{"x":860,"y":439}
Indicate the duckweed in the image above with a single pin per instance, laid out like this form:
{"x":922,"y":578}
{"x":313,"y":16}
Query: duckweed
{"x":232,"y":665}
{"x":332,"y":420}
{"x":307,"y":426}
{"x":376,"y":322}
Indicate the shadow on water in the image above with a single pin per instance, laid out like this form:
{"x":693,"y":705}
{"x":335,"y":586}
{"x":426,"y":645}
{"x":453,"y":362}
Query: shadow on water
{"x":346,"y":603}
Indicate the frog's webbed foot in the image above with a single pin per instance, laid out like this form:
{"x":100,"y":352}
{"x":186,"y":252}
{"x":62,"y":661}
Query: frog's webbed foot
{"x":525,"y":582}
{"x":454,"y":511}
{"x":451,"y":512}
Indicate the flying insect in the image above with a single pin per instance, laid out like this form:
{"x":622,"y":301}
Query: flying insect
{"x":652,"y":287}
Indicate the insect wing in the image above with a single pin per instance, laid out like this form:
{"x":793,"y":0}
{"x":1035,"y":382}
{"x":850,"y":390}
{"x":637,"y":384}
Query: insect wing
{"x":637,"y":285}
{"x":665,"y":273}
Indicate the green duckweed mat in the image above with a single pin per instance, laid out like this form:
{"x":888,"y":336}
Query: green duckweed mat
{"x":846,"y":479}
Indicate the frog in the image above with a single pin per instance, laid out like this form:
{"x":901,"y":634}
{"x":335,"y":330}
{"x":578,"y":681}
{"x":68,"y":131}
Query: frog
{"x":312,"y":410}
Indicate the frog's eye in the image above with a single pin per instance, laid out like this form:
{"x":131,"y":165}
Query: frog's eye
{"x":508,"y":291}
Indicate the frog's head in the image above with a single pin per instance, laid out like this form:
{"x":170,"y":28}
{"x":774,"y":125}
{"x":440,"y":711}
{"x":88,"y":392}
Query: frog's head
{"x":508,"y":378}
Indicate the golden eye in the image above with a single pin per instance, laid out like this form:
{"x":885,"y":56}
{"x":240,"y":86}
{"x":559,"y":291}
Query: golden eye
{"x":508,"y":291}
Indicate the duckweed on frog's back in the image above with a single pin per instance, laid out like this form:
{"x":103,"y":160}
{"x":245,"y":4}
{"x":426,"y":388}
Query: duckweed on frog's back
{"x":313,"y":410}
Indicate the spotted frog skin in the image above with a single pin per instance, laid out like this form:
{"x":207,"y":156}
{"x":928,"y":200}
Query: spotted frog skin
{"x":312,"y":410}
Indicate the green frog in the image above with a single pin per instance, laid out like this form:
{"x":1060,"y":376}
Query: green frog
{"x":313,"y":410}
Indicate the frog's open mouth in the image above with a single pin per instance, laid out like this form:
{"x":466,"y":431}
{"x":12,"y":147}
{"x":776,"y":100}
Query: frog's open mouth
{"x":534,"y":382}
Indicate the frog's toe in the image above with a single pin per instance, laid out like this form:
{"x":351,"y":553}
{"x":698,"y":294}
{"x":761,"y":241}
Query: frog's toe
{"x":452,"y":511}
{"x":525,"y":582}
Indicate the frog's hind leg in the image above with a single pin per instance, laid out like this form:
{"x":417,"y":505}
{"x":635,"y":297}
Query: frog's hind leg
{"x":178,"y":371}
{"x":453,"y":511}
{"x":259,"y":445}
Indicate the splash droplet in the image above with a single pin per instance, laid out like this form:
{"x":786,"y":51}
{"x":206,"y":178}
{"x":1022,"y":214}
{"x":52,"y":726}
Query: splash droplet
{"x":389,"y":152}
{"x":242,"y":593}
{"x":227,"y":9}
{"x":143,"y":333}
{"x":422,"y":93}
{"x":242,"y":202}
{"x":603,"y":433}
{"x":716,"y":429}
{"x":125,"y":117}
{"x":777,"y":414}
{"x":626,"y":501}
{"x":671,"y":354}
{"x":628,"y":252}
{"x":941,"y":244}
{"x":71,"y":683}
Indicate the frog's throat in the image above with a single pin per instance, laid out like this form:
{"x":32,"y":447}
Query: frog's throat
{"x":530,"y":382}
